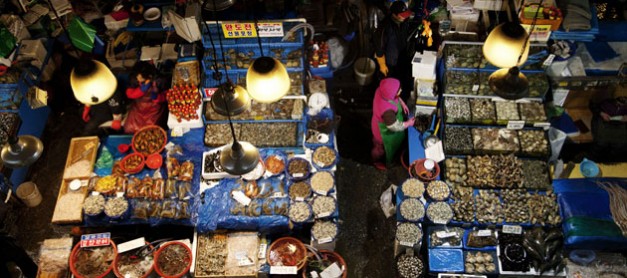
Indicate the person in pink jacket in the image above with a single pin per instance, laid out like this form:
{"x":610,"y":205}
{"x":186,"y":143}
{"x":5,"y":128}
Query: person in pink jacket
{"x":388,"y":122}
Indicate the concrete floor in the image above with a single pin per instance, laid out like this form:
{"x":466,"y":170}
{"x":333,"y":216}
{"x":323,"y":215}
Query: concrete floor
{"x":366,"y":237}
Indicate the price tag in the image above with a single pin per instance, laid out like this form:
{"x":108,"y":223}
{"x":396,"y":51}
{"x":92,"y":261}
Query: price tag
{"x":278,"y":195}
{"x":484,"y":233}
{"x":132,"y":244}
{"x":475,"y":87}
{"x":298,"y":175}
{"x":325,"y":240}
{"x":283,"y":270}
{"x":445,"y":234}
{"x":512,"y":229}
{"x":543,"y":125}
{"x":515,"y":125}
{"x":440,"y":221}
{"x":549,"y":60}
{"x":262,"y":251}
{"x":93,"y":240}
{"x":299,"y":199}
{"x":321,"y":192}
{"x":320,"y":164}
{"x":241,"y":198}
{"x":314,"y":274}
{"x":119,"y":194}
{"x":405,"y":243}
{"x":95,"y":193}
{"x":332,"y":271}
{"x":559,"y":96}
{"x":325,"y":214}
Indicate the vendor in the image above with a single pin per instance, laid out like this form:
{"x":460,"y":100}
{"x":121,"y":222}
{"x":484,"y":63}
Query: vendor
{"x":609,"y":130}
{"x":394,"y":46}
{"x":146,"y":90}
{"x":388,"y":124}
{"x":110,"y":110}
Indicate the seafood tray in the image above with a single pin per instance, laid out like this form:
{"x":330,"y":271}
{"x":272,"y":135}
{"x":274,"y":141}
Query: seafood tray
{"x":445,"y":237}
{"x":240,"y":58}
{"x":495,"y":140}
{"x":283,"y":109}
{"x":464,"y":56}
{"x":461,"y":82}
{"x":483,"y":111}
{"x":534,"y":142}
{"x":457,"y":140}
{"x":296,"y":80}
{"x":457,"y":110}
{"x":262,"y":134}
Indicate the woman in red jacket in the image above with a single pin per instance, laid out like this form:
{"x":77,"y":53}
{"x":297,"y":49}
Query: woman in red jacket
{"x":149,"y":98}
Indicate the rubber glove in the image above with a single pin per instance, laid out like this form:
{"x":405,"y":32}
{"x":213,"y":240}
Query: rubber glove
{"x":405,"y":108}
{"x":86,"y":113}
{"x":116,"y":124}
{"x":409,"y":122}
{"x":144,"y":87}
{"x":383,"y":68}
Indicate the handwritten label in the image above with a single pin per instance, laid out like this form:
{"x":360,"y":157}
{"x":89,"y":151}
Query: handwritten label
{"x":475,"y":87}
{"x":278,"y":195}
{"x":325,"y":214}
{"x":93,"y":240}
{"x":549,"y":60}
{"x":440,"y":221}
{"x":314,"y":274}
{"x":405,"y":243}
{"x":325,"y":240}
{"x":245,"y":262}
{"x":332,"y":271}
{"x":241,"y":198}
{"x":320,"y":192}
{"x":320,"y":164}
{"x":270,"y":29}
{"x":262,"y":251}
{"x":283,"y":270}
{"x":298,"y":175}
{"x":299,"y":199}
{"x":515,"y":125}
{"x":445,"y":234}
{"x":512,"y":229}
{"x":484,"y":233}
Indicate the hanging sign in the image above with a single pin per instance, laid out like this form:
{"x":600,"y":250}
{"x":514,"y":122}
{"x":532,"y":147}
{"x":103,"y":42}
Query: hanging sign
{"x":248,"y":30}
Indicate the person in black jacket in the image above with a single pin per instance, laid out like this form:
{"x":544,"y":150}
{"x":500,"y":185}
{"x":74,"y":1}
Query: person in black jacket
{"x":394,"y":46}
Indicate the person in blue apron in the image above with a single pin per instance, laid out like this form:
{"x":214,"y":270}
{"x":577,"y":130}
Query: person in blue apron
{"x":388,"y":122}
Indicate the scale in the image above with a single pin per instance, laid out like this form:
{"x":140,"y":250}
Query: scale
{"x":429,"y":137}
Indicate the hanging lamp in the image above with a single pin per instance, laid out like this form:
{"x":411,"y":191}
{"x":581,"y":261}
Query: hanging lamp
{"x":507,"y":47}
{"x":21,"y":150}
{"x":266,"y":80}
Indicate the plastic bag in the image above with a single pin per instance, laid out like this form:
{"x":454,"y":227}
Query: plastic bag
{"x":184,"y":190}
{"x":140,"y":209}
{"x":170,"y":189}
{"x":169,"y":209}
{"x":387,"y":201}
{"x":105,"y":160}
{"x":557,"y":138}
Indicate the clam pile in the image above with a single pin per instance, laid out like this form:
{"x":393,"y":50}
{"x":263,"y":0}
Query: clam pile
{"x":413,"y":188}
{"x":456,"y":174}
{"x":438,"y":190}
{"x":463,"y":205}
{"x":457,"y":110}
{"x":457,"y":140}
{"x":281,"y":110}
{"x":535,"y":174}
{"x":409,"y":266}
{"x":480,"y":262}
{"x":543,"y":209}
{"x":323,"y":206}
{"x":509,"y":171}
{"x":507,"y":110}
{"x":532,"y":112}
{"x":324,"y":230}
{"x":461,"y":82}
{"x":408,"y":233}
{"x":533,"y":142}
{"x":258,"y":134}
{"x":240,"y":59}
{"x":515,"y":204}
{"x":488,"y":207}
{"x":439,"y":212}
{"x":495,"y":139}
{"x":412,"y":209}
{"x":538,"y":84}
{"x":482,"y":111}
{"x":299,"y":212}
{"x":7,"y":125}
{"x":464,"y":56}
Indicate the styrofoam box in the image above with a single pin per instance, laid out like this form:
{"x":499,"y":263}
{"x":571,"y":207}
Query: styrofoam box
{"x":113,"y":24}
{"x":531,"y":272}
{"x":467,"y":16}
{"x":490,"y":5}
{"x":32,"y":49}
{"x":212,"y":176}
{"x":423,"y":65}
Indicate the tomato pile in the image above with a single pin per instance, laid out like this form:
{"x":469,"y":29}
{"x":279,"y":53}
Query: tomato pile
{"x":183,"y":101}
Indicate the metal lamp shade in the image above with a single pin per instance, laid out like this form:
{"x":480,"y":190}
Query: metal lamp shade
{"x":230,"y":99}
{"x":267,"y":80}
{"x":504,"y":45}
{"x":509,"y":83}
{"x":92,"y":82}
{"x":22,"y":152}
{"x":239,"y":158}
{"x":218,"y":5}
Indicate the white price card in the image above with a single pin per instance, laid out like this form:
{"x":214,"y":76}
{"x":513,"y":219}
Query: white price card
{"x":245,"y":262}
{"x":320,"y":164}
{"x":262,"y":251}
{"x":543,"y":125}
{"x":283,"y":270}
{"x":298,"y":175}
{"x":314,"y":274}
{"x":475,"y":87}
{"x":132,"y":244}
{"x":549,"y":60}
{"x":278,"y":195}
{"x":435,"y":152}
{"x":515,"y":124}
{"x":332,"y":271}
{"x":559,"y":96}
{"x":445,"y":234}
{"x":512,"y":229}
{"x":405,"y":243}
{"x":299,"y":199}
{"x":321,"y":192}
{"x":325,"y":240}
{"x":241,"y":198}
{"x":484,"y":233}
{"x":440,"y":221}
{"x":325,"y":214}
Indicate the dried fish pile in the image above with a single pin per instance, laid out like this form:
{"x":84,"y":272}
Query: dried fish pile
{"x":413,"y":188}
{"x":457,"y":110}
{"x":536,"y":174}
{"x":412,"y":209}
{"x":515,"y":205}
{"x":533,"y":142}
{"x":480,"y":262}
{"x":463,"y":205}
{"x":458,"y":140}
{"x":483,"y":111}
{"x":532,"y":112}
{"x":456,"y":173}
{"x":408,"y":233}
{"x":543,"y":209}
{"x":618,"y":198}
{"x":499,"y":140}
{"x":300,"y":190}
{"x":210,"y":255}
{"x":507,"y":110}
{"x":440,"y":212}
{"x":481,"y":171}
{"x":488,"y":207}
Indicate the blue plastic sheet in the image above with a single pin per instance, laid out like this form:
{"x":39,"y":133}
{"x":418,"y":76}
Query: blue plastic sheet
{"x":584,"y":207}
{"x":446,"y":260}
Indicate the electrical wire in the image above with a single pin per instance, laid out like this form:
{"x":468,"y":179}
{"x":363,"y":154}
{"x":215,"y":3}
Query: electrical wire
{"x":533,"y":26}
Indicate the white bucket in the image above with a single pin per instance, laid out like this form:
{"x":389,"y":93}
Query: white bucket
{"x":29,"y":194}
{"x":364,"y":69}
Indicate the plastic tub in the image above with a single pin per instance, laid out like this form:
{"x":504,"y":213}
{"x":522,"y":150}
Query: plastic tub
{"x":364,"y":70}
{"x":417,"y":170}
{"x":136,"y":169}
{"x":135,"y":144}
{"x":187,"y":261}
{"x":287,"y":251}
{"x":121,"y":275}
{"x":330,"y":256}
{"x":75,"y":254}
{"x":29,"y":194}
